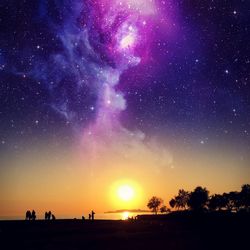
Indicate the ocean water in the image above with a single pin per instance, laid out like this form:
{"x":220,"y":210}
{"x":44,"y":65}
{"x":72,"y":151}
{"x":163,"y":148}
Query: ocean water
{"x":98,"y":216}
{"x":118,"y":216}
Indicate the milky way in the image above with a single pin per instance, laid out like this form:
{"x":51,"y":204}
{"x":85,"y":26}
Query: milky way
{"x":126,"y":27}
{"x":165,"y":68}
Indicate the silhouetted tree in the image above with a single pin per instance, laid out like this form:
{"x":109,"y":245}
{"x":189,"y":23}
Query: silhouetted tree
{"x":154,"y":204}
{"x":182,"y":199}
{"x":172,"y":203}
{"x":245,"y":196}
{"x":213,"y":202}
{"x":233,"y":201}
{"x":164,"y":209}
{"x":198,"y":199}
{"x":217,"y":201}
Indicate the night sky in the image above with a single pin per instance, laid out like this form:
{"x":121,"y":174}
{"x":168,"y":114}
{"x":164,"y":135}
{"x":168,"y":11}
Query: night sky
{"x":121,"y":71}
{"x":195,"y":82}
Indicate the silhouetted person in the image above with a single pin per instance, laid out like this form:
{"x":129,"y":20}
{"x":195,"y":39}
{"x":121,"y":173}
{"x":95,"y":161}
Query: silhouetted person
{"x":46,"y":216}
{"x":33,"y":215}
{"x":83,"y":218}
{"x":53,"y":217}
{"x":92,"y":215}
{"x":49,"y":215}
{"x":89,"y":216}
{"x":28,"y":215}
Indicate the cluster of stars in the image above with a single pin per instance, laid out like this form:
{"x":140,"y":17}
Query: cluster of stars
{"x":196,"y":83}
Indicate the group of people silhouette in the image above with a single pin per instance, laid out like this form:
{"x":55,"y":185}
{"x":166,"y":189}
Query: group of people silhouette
{"x":91,"y":216}
{"x":49,"y":215}
{"x":32,"y":215}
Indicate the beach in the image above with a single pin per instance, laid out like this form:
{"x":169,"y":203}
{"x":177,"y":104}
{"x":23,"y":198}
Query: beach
{"x":149,"y":232}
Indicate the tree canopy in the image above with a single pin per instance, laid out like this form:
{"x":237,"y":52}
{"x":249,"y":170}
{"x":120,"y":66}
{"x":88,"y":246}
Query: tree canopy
{"x":154,"y":204}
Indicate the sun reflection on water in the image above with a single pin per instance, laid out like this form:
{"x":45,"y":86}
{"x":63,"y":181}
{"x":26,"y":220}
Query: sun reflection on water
{"x":125,"y":215}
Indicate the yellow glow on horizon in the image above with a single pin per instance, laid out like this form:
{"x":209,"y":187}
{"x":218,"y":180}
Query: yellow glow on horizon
{"x":125,"y":215}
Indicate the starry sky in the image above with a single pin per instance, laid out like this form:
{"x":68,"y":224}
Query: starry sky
{"x":119,"y":81}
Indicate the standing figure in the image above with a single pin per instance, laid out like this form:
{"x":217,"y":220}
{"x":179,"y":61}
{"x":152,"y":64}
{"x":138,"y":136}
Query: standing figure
{"x":33,"y":215}
{"x":28,"y":215}
{"x":89,"y":216}
{"x":93,"y":215}
{"x":46,"y":215}
{"x":49,"y":215}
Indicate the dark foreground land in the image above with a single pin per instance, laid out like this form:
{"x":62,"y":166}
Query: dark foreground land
{"x":211,"y":231}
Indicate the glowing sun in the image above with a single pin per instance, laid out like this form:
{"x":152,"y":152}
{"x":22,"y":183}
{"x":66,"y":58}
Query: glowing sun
{"x":125,"y":192}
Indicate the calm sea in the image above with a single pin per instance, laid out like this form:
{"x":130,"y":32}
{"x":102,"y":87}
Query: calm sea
{"x":101,"y":216}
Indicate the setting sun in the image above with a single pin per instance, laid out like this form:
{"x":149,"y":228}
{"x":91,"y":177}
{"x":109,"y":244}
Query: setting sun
{"x":125,"y":192}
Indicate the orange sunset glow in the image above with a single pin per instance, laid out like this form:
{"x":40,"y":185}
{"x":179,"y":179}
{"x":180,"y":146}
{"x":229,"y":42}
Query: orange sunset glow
{"x":62,"y":183}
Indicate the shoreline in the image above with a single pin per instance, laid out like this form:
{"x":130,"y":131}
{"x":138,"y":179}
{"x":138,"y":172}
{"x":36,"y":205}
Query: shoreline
{"x":169,"y":232}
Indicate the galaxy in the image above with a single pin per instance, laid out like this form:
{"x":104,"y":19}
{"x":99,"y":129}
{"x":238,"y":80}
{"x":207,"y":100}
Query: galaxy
{"x":94,"y":91}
